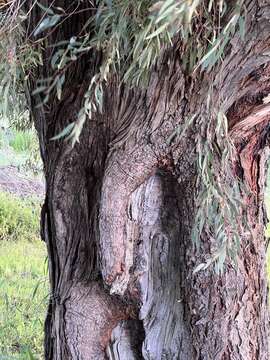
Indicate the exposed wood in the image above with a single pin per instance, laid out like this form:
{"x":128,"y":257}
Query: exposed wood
{"x":257,"y":116}
{"x":159,"y":268}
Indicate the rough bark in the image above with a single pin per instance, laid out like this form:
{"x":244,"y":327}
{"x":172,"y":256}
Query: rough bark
{"x":120,"y":207}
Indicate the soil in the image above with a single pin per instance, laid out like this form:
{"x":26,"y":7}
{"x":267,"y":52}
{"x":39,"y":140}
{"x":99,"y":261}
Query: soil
{"x":20,"y":184}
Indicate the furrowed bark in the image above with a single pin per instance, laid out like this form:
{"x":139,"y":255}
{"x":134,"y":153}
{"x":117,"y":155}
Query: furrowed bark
{"x":120,"y":207}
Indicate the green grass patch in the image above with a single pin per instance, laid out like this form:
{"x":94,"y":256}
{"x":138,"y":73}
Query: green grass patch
{"x":19,"y":219}
{"x":23,"y":280}
{"x":22,"y":141}
{"x":23,"y":299}
{"x":20,"y":148}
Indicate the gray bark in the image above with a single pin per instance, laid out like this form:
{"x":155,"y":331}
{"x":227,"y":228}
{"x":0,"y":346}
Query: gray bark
{"x":120,"y":206}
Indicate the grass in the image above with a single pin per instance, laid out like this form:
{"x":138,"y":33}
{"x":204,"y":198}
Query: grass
{"x":20,"y":148}
{"x":19,"y":219}
{"x":22,"y":141}
{"x":23,"y":280}
{"x":23,"y":297}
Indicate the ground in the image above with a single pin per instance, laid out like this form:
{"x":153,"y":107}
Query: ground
{"x":18,"y":183}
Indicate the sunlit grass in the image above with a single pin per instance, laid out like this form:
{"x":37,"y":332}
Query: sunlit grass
{"x":19,"y":219}
{"x":21,"y":149}
{"x":22,"y":141}
{"x":23,"y":298}
{"x":23,"y":280}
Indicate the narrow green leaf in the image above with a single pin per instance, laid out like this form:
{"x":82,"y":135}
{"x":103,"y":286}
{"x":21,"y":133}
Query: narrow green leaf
{"x":157,"y":32}
{"x":47,"y":23}
{"x":67,"y":130}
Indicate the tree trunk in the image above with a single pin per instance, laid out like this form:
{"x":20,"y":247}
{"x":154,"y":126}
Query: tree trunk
{"x":121,"y":204}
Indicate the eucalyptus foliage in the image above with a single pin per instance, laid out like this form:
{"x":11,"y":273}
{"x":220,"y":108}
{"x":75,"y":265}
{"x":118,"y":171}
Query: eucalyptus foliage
{"x":18,"y":57}
{"x":131,"y":36}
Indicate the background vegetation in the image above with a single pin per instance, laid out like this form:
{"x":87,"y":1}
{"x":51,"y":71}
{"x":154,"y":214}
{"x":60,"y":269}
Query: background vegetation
{"x":23,"y":267}
{"x":23,"y":298}
{"x":19,"y":147}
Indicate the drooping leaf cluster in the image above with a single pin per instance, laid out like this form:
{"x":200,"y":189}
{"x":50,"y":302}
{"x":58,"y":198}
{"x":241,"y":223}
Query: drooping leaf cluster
{"x":131,"y":35}
{"x":219,"y":206}
{"x":17,"y":59}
